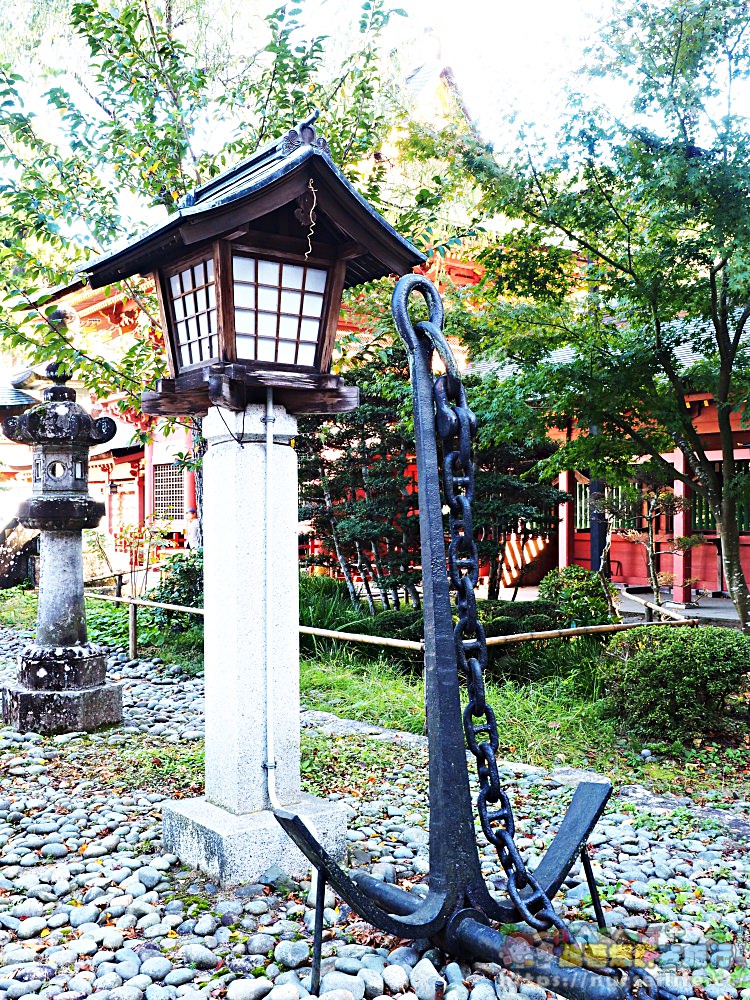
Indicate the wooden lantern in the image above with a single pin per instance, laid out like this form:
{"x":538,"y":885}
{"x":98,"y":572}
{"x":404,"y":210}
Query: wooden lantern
{"x":249,"y":273}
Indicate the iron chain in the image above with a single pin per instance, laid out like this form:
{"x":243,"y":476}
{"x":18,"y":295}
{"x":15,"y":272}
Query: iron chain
{"x":456,"y":426}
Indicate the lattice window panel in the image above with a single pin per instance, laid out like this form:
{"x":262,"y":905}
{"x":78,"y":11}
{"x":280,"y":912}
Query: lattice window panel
{"x":277,"y":310}
{"x":169,"y":492}
{"x":583,"y":507}
{"x":194,"y":304}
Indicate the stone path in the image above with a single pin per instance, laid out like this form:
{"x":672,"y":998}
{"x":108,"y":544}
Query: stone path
{"x":91,"y":905}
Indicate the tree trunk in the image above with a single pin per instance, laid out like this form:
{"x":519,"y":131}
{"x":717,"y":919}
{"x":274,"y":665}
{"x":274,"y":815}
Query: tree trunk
{"x":413,"y":594}
{"x":651,"y":558}
{"x":364,"y":567}
{"x":493,"y":582}
{"x":380,"y":578}
{"x":522,"y":568}
{"x":604,"y":579}
{"x":728,"y":530}
{"x":343,"y":564}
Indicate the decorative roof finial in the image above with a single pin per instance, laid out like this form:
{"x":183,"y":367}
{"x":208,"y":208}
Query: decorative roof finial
{"x":56,"y":373}
{"x":305,"y":134}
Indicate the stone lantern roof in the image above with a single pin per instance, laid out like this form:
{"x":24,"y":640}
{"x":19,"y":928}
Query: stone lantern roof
{"x":58,"y":419}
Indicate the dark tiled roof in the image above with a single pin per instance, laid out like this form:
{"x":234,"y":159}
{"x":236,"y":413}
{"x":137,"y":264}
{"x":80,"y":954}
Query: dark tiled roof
{"x":11,"y":398}
{"x":269,"y":167}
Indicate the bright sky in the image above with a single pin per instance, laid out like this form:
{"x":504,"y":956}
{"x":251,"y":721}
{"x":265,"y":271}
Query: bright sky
{"x":507,"y":56}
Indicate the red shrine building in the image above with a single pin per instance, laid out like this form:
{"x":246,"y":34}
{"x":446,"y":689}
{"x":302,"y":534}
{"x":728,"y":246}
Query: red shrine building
{"x":138,"y":482}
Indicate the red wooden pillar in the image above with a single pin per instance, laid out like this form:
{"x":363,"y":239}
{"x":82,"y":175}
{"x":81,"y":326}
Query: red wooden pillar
{"x":136,"y":471}
{"x":190,"y":498}
{"x":149,"y":481}
{"x":682,"y":561}
{"x":567,"y":525}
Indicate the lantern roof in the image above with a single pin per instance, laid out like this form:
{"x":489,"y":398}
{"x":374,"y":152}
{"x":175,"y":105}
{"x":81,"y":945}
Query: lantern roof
{"x":273,"y":177}
{"x":12,"y":399}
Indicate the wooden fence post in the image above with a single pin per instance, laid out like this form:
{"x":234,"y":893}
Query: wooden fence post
{"x":132,"y":630}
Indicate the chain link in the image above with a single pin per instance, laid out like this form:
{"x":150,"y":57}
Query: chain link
{"x":456,"y":426}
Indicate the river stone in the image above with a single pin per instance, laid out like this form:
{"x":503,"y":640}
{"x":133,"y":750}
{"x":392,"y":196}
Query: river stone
{"x":31,"y":927}
{"x":179,"y":977}
{"x":340,"y":981}
{"x":85,"y":915}
{"x":292,"y":954}
{"x":532,"y":991}
{"x":158,"y":968}
{"x":249,"y":989}
{"x":396,"y":978}
{"x":126,"y":993}
{"x":287,"y":991}
{"x":199,"y":955}
{"x":423,"y":977}
{"x":260,"y":944}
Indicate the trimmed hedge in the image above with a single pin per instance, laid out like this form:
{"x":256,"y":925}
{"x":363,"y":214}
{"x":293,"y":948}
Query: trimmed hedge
{"x":675,"y":682}
{"x":578,"y":596}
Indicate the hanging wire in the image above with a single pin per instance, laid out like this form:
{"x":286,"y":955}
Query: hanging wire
{"x":311,"y":187}
{"x":240,"y":440}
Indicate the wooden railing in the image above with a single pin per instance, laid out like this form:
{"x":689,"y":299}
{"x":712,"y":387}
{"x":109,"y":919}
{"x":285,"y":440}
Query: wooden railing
{"x":134,"y":603}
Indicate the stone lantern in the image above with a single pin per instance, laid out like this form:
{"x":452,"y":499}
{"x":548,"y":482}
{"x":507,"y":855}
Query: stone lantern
{"x":249,"y":274}
{"x":61,"y":678}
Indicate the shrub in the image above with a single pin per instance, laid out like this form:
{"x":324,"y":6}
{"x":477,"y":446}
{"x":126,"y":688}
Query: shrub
{"x":324,"y":603}
{"x":578,"y":596}
{"x":502,"y":625}
{"x":537,"y":623}
{"x":674,"y":681}
{"x":517,"y":609}
{"x":181,"y":583}
{"x":406,"y":623}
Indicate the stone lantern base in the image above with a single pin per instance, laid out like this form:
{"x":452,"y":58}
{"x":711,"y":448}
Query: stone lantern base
{"x":61,"y":690}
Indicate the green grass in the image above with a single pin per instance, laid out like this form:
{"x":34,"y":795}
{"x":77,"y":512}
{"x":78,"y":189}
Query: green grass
{"x":371,"y":691}
{"x":17,"y":608}
{"x":551,"y":712}
{"x":107,"y":623}
{"x":553,"y":720}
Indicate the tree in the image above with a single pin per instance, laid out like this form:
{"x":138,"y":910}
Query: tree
{"x":623,"y":284}
{"x":634,"y":513}
{"x":358,"y":481}
{"x":509,"y":498}
{"x":358,"y":475}
{"x":127,"y":139}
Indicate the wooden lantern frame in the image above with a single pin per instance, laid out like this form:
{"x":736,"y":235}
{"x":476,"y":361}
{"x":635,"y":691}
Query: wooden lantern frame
{"x":287,"y":203}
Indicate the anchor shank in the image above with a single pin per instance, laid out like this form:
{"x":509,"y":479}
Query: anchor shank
{"x":453,"y":857}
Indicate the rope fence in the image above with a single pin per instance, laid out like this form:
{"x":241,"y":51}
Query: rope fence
{"x":671,"y":618}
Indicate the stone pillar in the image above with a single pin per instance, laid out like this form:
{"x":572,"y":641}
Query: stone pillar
{"x":61,"y":677}
{"x":61,"y":611}
{"x":231,"y":834}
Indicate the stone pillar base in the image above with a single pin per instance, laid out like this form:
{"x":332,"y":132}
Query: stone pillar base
{"x":49,"y":712}
{"x":239,"y":848}
{"x":62,"y":668}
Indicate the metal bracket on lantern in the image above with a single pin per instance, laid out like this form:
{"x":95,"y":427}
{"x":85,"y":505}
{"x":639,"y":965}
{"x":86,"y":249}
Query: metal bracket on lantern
{"x":458,"y":907}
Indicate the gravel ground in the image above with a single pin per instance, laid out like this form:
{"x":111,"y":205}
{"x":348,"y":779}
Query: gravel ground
{"x":91,"y":904}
